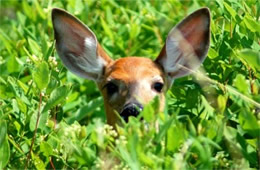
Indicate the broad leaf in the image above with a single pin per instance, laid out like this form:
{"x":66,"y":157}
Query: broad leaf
{"x":3,"y":131}
{"x":57,"y":96}
{"x":41,"y":75}
{"x":4,"y":154}
{"x":251,"y":57}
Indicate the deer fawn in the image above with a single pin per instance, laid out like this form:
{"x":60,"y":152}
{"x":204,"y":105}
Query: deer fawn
{"x":128,"y":83}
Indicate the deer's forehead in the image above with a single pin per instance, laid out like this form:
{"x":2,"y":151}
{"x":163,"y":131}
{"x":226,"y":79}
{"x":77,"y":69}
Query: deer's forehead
{"x":133,"y":69}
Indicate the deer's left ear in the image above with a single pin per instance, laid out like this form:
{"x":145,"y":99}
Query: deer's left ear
{"x":186,"y":46}
{"x":78,"y":47}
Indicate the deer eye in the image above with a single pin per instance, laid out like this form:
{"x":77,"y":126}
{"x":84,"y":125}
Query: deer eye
{"x":158,"y":86}
{"x":111,"y":88}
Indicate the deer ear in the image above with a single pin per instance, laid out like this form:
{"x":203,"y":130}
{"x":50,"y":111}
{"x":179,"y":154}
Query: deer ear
{"x":186,"y":46}
{"x":77,"y":46}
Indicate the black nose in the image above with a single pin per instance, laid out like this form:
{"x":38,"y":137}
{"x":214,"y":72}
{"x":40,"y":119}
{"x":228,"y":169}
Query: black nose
{"x":131,"y":109}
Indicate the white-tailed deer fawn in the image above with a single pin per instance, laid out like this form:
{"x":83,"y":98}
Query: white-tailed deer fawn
{"x":128,"y":83}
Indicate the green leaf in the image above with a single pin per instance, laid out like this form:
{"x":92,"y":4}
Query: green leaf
{"x":39,"y":9}
{"x":34,"y":47}
{"x":175,"y":137}
{"x":230,"y":10}
{"x":212,"y":53}
{"x":134,"y":30}
{"x":12,"y":65}
{"x":58,"y":95}
{"x":49,"y":51}
{"x":22,"y":106}
{"x":12,"y":82}
{"x":208,"y":109}
{"x":249,"y":123}
{"x":15,"y":106}
{"x":146,"y":159}
{"x":4,"y":154}
{"x":148,"y":113}
{"x":52,"y":85}
{"x":38,"y":163}
{"x":42,"y":120}
{"x":191,"y":127}
{"x":21,"y":18}
{"x":23,"y":86}
{"x":86,"y":110}
{"x":3,"y":131}
{"x":28,"y":10}
{"x":107,"y":29}
{"x":6,"y":90}
{"x":192,"y":98}
{"x":46,"y":149}
{"x":133,"y":141}
{"x":222,"y":101}
{"x":241,"y":84}
{"x":6,"y":41}
{"x":32,"y":123}
{"x":164,"y":129}
{"x":127,"y":157}
{"x":251,"y":57}
{"x":151,"y":109}
{"x":251,"y":24}
{"x":41,"y":75}
{"x":84,"y":155}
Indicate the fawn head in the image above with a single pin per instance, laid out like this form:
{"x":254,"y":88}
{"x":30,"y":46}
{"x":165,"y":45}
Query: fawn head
{"x":128,"y":83}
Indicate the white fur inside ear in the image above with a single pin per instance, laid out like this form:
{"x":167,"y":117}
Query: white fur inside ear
{"x":173,"y":55}
{"x":179,"y":52}
{"x":89,"y":61}
{"x":90,"y":42}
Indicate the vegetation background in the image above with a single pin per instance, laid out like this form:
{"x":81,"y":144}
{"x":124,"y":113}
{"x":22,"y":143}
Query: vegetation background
{"x":51,"y":119}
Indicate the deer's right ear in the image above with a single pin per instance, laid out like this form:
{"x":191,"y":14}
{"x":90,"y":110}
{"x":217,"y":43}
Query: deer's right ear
{"x":78,"y":47}
{"x":186,"y":46}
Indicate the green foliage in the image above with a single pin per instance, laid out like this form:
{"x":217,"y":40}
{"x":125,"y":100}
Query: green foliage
{"x":50,"y":118}
{"x":41,"y":75}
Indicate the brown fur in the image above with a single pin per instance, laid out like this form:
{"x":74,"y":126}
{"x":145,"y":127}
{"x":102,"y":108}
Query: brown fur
{"x":123,"y":72}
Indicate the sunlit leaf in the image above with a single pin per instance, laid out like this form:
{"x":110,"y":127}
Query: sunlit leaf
{"x":212,"y":53}
{"x":164,"y":129}
{"x":41,"y":75}
{"x":59,"y":94}
{"x":4,"y":153}
{"x":39,"y":9}
{"x":38,"y":163}
{"x":12,"y":65}
{"x":87,"y":109}
{"x":107,"y":29}
{"x":46,"y":149}
{"x":241,"y":84}
{"x":22,"y":106}
{"x":230,"y":10}
{"x":3,"y":131}
{"x":42,"y":120}
{"x":251,"y":24}
{"x":175,"y":137}
{"x":251,"y":57}
{"x":249,"y":123}
{"x":34,"y":47}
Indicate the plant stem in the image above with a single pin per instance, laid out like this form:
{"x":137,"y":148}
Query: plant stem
{"x":35,"y":130}
{"x":202,"y":76}
{"x":258,"y":150}
{"x":52,"y":165}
